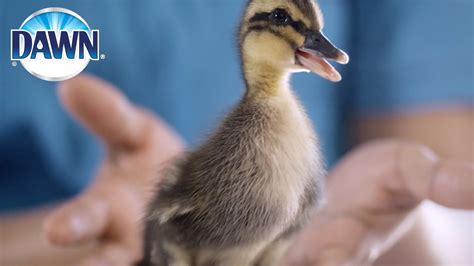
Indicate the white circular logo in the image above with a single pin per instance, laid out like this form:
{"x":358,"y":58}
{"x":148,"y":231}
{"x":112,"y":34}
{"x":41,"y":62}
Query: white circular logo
{"x":54,"y":44}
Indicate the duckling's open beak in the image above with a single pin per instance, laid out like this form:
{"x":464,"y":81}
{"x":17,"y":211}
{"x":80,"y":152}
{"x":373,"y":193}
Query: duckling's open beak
{"x":314,"y":53}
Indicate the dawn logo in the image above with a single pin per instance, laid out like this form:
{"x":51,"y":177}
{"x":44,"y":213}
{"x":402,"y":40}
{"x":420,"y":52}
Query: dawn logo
{"x":54,"y":44}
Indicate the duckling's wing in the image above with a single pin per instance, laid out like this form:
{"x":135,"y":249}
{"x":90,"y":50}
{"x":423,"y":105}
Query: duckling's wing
{"x":167,"y":204}
{"x":169,"y":211}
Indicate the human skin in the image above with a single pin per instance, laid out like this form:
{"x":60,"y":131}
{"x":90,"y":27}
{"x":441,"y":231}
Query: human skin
{"x":139,"y":145}
{"x":371,"y":192}
{"x":353,"y":231}
{"x":438,"y":235}
{"x":371,"y":195}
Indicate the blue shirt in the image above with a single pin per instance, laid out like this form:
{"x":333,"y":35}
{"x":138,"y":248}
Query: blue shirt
{"x":179,"y":59}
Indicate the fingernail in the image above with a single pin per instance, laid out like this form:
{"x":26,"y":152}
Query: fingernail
{"x":453,"y":185}
{"x":77,"y":226}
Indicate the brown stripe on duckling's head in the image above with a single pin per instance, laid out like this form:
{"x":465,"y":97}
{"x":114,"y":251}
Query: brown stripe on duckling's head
{"x":286,"y":35}
{"x":310,"y":10}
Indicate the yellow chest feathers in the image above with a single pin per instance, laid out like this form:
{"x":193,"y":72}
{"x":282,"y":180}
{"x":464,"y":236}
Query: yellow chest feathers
{"x":292,"y":153}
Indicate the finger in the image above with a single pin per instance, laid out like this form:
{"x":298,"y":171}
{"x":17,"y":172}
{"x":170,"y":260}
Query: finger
{"x":328,"y":240}
{"x":452,"y":185}
{"x":102,"y":109}
{"x":77,"y":222}
{"x":110,"y":254}
{"x":426,"y":177}
{"x":329,"y":257}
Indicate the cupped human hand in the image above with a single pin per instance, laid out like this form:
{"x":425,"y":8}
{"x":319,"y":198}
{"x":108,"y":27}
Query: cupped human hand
{"x":138,"y":147}
{"x":370,"y":196}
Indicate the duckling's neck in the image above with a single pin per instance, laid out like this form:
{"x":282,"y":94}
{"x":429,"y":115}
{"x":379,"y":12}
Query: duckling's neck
{"x":264,"y":80}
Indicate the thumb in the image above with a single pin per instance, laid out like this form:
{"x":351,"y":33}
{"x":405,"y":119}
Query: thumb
{"x":103,"y":110}
{"x":81,"y":220}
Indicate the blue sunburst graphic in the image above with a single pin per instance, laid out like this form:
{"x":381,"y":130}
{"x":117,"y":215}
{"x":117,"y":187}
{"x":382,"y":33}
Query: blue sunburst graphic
{"x":56,"y":21}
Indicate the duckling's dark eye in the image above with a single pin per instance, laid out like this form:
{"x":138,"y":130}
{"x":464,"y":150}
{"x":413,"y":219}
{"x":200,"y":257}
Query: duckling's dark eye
{"x":279,"y":16}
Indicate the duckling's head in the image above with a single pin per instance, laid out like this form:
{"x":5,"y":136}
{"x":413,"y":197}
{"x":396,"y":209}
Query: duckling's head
{"x":286,"y":36}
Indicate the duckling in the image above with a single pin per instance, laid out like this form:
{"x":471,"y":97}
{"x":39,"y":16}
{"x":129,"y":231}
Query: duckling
{"x":239,"y":198}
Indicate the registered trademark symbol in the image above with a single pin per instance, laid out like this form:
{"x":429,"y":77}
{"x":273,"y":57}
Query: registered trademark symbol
{"x":14,"y":63}
{"x":102,"y":56}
